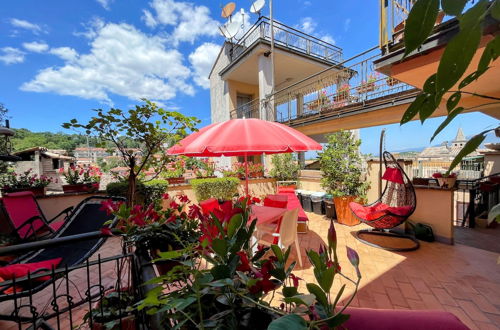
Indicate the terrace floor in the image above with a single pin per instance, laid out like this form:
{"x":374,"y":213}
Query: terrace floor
{"x":460,"y":279}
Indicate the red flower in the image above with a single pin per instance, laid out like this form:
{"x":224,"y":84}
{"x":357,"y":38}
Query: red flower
{"x":184,"y":199}
{"x":165,"y":196}
{"x":295,"y":280}
{"x":109,"y":206}
{"x":174,"y":205}
{"x":245,"y":264}
{"x":106,"y":231}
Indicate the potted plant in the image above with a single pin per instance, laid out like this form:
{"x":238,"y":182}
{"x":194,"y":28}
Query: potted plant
{"x":343,"y":93}
{"x":390,"y":81}
{"x":239,"y":169}
{"x":340,"y":163}
{"x":256,"y":170}
{"x":25,"y":181}
{"x":285,"y":167}
{"x":368,"y":85}
{"x":175,"y":172}
{"x":445,"y":180}
{"x":237,"y":288}
{"x":322,"y":101}
{"x":81,"y":178}
{"x":113,"y":311}
{"x":153,"y":229}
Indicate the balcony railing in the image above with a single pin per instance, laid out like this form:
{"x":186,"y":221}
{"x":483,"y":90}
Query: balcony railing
{"x":289,"y":37}
{"x":333,"y":91}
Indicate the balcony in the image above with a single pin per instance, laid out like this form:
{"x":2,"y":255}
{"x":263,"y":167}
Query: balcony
{"x":288,"y":38}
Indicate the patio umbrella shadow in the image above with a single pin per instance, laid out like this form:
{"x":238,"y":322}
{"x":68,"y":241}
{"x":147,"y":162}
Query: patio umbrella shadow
{"x":307,"y":241}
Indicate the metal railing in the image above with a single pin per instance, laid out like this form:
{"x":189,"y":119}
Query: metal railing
{"x":341,"y":88}
{"x":59,"y":298}
{"x":475,"y":197}
{"x":393,"y":14}
{"x":289,"y":37}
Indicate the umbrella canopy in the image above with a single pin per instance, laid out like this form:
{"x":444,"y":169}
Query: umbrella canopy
{"x":243,"y":137}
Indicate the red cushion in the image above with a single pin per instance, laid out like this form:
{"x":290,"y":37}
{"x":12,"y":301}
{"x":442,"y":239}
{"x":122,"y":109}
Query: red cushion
{"x":20,"y":270}
{"x":286,"y":190}
{"x":293,"y":203}
{"x":20,"y":207}
{"x":369,"y":213}
{"x":280,"y":201}
{"x":56,"y":225}
{"x":209,"y":205}
{"x":396,"y":319}
{"x":393,"y":175}
{"x":400,"y":210}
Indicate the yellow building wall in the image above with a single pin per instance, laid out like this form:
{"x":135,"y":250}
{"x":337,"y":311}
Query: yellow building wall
{"x":237,"y":87}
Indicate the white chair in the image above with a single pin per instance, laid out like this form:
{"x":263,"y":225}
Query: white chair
{"x":287,"y":234}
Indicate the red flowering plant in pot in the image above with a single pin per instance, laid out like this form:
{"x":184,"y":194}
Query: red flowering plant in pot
{"x":445,"y":180}
{"x":81,"y":178}
{"x":25,"y":181}
{"x":154,"y":230}
{"x":233,"y":284}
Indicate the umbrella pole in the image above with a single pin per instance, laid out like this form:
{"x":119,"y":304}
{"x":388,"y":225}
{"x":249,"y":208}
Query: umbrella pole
{"x":246,"y":175}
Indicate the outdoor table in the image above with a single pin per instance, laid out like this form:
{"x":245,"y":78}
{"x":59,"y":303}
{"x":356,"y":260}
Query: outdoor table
{"x":265,"y":214}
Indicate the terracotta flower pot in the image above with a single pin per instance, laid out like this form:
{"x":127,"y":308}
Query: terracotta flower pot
{"x":127,"y":321}
{"x":344,"y":213}
{"x":446,"y":182}
{"x":81,"y":187}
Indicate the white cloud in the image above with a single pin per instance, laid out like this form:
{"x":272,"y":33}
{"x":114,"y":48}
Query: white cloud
{"x":202,"y":60}
{"x":36,"y":47}
{"x":22,"y":24}
{"x":189,"y":21}
{"x":308,"y":25}
{"x":105,"y":3}
{"x":121,"y":61}
{"x":10,"y":55}
{"x":66,"y":53}
{"x":347,"y":24}
{"x":328,"y":38}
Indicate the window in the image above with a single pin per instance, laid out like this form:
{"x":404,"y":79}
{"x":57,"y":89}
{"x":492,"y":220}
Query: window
{"x":56,"y":163}
{"x":243,"y":108}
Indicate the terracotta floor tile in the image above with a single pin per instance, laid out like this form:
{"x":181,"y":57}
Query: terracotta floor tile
{"x":443,"y":297}
{"x":472,"y":311}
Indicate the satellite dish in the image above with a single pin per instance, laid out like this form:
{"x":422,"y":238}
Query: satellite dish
{"x":257,"y":6}
{"x":231,"y":29}
{"x":228,"y":10}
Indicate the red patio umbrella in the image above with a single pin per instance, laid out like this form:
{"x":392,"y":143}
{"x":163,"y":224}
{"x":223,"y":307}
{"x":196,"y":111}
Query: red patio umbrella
{"x":243,"y":137}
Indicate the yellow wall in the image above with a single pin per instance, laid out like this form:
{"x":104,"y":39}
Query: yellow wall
{"x":237,"y":87}
{"x":491,"y":163}
{"x":435,"y":208}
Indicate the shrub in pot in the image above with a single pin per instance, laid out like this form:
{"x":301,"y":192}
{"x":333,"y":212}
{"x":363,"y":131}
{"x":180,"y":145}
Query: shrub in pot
{"x":340,"y":163}
{"x":285,"y":167}
{"x":219,"y":188}
{"x":153,"y":190}
{"x":120,"y":188}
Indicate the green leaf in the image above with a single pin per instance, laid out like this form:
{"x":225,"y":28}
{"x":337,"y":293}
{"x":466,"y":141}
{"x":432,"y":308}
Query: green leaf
{"x":339,"y":295}
{"x":491,"y":53}
{"x":220,"y":247}
{"x":220,"y":272}
{"x":277,"y":252}
{"x":448,"y":119}
{"x":419,"y":24}
{"x":428,"y":106}
{"x":494,"y":214}
{"x":221,"y":283}
{"x":288,"y":322}
{"x":469,"y":147}
{"x":169,"y":255}
{"x":326,"y":279}
{"x":301,"y":299}
{"x":314,"y":258}
{"x":461,"y":49}
{"x":338,"y":320}
{"x":234,"y":224}
{"x":470,"y":78}
{"x":453,"y":101}
{"x":318,"y":293}
{"x":413,"y":108}
{"x":495,"y":10}
{"x":453,"y":7}
{"x":289,"y":291}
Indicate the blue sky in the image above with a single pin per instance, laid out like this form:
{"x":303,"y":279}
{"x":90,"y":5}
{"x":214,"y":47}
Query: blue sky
{"x":60,"y":59}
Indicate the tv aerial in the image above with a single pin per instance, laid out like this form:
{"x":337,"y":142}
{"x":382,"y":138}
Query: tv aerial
{"x":257,"y":6}
{"x":230,"y":29}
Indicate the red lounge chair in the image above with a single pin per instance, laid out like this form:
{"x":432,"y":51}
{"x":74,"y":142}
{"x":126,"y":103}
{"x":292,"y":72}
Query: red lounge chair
{"x":27,"y":219}
{"x":397,"y":203}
